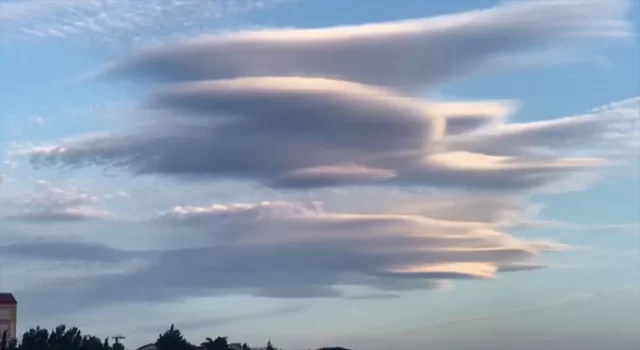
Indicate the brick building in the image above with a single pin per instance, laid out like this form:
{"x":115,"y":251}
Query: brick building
{"x":8,"y":314}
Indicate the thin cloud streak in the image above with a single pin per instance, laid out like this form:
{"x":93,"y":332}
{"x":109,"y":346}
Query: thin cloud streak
{"x":49,"y":203}
{"x":571,"y":299}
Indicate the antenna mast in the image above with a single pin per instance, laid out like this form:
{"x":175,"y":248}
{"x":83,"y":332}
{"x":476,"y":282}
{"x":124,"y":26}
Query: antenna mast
{"x":118,"y":337}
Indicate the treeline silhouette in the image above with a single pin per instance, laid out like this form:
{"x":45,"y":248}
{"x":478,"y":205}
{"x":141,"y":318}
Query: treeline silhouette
{"x":63,"y":338}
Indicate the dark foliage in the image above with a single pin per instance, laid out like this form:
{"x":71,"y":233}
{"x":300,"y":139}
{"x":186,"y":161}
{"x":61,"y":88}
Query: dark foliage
{"x":269,"y":346}
{"x":6,"y":343}
{"x":220,"y":343}
{"x":63,"y":338}
{"x":172,"y":339}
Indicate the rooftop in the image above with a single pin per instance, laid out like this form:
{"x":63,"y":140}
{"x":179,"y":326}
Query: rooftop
{"x":149,"y":346}
{"x":7,"y":298}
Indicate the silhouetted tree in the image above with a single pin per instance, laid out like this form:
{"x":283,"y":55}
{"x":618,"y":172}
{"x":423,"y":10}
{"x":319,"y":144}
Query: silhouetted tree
{"x":35,"y":339}
{"x":220,"y":343}
{"x":270,"y":346}
{"x":13,"y":344}
{"x":105,"y":344}
{"x":4,"y":342}
{"x":63,"y":338}
{"x":172,"y":339}
{"x":7,"y":343}
{"x":90,"y":342}
{"x":60,"y":338}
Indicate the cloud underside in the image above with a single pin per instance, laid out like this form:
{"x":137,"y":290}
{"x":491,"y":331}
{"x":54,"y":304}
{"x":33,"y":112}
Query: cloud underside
{"x":285,"y":249}
{"x":312,"y":132}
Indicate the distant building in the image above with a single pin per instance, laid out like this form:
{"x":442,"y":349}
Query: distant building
{"x":8,"y":314}
{"x":148,"y":347}
{"x":235,"y":346}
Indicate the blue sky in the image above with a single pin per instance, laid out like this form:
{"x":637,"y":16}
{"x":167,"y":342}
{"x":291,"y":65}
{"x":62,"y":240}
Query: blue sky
{"x":462,"y":174}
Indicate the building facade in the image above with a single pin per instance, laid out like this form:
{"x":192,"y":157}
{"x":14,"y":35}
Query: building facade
{"x":8,"y":314}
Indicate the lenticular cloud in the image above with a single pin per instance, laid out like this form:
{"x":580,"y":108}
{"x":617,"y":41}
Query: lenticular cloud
{"x":336,"y":106}
{"x":404,"y":55}
{"x":341,"y":107}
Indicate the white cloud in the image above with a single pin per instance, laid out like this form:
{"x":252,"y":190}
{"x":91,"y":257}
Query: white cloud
{"x":49,"y":203}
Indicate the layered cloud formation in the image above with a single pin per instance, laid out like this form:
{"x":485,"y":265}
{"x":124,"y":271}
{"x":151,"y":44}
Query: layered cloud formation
{"x":296,"y":108}
{"x":283,"y":249}
{"x":338,"y":107}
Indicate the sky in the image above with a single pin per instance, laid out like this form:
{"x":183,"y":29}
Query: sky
{"x":459,"y":175}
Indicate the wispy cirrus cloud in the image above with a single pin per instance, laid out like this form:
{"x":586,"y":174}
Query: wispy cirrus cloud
{"x":116,"y":22}
{"x":25,"y":9}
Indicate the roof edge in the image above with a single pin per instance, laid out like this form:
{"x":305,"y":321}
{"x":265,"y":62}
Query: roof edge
{"x":7,"y":299}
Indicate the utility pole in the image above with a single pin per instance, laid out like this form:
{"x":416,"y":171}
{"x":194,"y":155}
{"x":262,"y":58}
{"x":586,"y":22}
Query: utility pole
{"x":118,"y":337}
